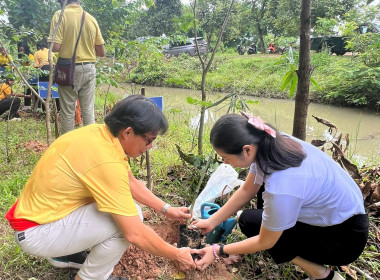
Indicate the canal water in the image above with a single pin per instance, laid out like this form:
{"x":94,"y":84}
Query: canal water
{"x":362,"y":126}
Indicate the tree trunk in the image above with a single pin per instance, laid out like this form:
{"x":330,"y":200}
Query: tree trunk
{"x":202,"y":117}
{"x":303,"y":73}
{"x":261,"y":37}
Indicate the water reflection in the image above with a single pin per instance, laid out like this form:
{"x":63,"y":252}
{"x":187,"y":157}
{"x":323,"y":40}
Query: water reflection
{"x":362,"y":126}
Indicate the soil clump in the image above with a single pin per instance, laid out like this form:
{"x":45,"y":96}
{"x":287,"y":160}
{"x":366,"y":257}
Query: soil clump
{"x":140,"y":265}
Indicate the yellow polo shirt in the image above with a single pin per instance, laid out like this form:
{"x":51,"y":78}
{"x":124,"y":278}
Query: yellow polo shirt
{"x":68,"y":32}
{"x":41,"y":57}
{"x":80,"y":167}
{"x":5,"y":91}
{"x":4,"y":59}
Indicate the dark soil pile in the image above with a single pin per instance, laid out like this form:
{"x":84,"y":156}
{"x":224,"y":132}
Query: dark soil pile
{"x":140,"y":265}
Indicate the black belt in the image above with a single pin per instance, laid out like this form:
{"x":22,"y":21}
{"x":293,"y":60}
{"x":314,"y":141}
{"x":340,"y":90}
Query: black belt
{"x":84,"y":63}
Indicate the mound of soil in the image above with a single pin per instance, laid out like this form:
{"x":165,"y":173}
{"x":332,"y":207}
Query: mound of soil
{"x":140,"y":265}
{"x":35,"y":146}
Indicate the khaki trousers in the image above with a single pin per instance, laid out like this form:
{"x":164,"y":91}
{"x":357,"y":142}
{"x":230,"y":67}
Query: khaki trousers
{"x":84,"y":228}
{"x":84,"y":90}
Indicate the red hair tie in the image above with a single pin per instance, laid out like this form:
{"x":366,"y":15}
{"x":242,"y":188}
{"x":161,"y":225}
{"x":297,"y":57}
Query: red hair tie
{"x":259,"y":124}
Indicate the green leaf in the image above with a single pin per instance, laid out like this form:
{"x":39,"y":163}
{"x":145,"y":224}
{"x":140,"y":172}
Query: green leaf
{"x":314,"y":82}
{"x":293,"y":86}
{"x":191,"y":100}
{"x":288,"y":77}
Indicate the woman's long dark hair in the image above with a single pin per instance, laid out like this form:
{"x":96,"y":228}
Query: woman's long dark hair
{"x":138,"y":112}
{"x":231,"y":132}
{"x":26,"y":49}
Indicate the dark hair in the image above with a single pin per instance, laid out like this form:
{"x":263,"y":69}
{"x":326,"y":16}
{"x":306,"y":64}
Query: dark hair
{"x":41,"y":45}
{"x":231,"y":132}
{"x":138,"y":112}
{"x":26,"y":49}
{"x":9,"y":79}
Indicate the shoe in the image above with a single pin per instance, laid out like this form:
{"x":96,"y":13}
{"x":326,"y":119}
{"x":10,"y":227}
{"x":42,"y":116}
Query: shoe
{"x":15,"y":119}
{"x":70,"y":261}
{"x":27,"y":108}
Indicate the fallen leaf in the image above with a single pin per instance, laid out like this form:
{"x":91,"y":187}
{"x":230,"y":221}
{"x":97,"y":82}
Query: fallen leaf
{"x":179,"y":275}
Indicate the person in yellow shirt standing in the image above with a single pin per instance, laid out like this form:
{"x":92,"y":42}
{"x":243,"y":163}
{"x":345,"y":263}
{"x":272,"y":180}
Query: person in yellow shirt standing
{"x":90,"y":45}
{"x":82,"y":194}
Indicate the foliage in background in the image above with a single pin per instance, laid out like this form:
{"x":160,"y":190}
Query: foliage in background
{"x":352,"y":83}
{"x":342,"y":80}
{"x":157,"y":20}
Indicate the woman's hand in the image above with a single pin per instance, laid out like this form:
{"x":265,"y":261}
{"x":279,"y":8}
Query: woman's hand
{"x":203,"y":225}
{"x":184,"y":260}
{"x":207,"y":255}
{"x":178,"y":213}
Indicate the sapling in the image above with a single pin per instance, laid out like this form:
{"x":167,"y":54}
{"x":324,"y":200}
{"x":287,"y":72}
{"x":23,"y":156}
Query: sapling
{"x":196,"y":192}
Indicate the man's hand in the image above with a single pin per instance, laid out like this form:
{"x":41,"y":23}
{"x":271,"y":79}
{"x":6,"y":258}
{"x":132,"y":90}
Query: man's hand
{"x":178,"y":213}
{"x":184,"y":260}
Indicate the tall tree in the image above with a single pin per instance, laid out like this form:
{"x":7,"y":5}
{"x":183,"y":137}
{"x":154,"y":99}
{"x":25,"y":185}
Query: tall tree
{"x":29,"y":16}
{"x":258,"y":10}
{"x":160,"y":16}
{"x":35,"y":15}
{"x":157,"y":20}
{"x":284,"y":14}
{"x":303,"y":73}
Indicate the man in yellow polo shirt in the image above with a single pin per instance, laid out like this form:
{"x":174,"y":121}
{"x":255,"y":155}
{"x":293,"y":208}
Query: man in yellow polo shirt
{"x":81,"y":195}
{"x":91,"y":45}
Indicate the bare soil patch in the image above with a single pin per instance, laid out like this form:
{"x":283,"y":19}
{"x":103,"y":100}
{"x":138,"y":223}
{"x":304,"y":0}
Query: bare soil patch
{"x":140,"y":265}
{"x":35,"y":146}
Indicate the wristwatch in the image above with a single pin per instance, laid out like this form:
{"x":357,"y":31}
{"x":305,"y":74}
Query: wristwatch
{"x":165,"y":208}
{"x":221,"y":252}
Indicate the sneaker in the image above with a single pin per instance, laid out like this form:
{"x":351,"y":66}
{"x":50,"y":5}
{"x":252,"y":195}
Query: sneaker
{"x":15,"y":119}
{"x":27,"y":108}
{"x":70,"y":261}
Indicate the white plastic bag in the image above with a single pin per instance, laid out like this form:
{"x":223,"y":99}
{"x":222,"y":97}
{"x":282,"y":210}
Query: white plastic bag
{"x":223,"y":176}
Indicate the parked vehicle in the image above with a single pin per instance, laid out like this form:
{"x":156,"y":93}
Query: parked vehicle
{"x":175,"y":48}
{"x":335,"y":44}
{"x":252,"y":49}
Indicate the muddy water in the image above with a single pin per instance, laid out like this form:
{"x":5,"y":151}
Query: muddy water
{"x":362,"y":126}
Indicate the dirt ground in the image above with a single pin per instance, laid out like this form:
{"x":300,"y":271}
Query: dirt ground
{"x":140,"y":265}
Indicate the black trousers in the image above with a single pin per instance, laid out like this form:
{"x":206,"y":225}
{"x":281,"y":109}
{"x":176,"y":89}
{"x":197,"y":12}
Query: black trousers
{"x":6,"y":103}
{"x":334,"y":245}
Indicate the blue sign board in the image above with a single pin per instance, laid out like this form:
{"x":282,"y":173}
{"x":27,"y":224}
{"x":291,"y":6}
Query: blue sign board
{"x":43,"y":89}
{"x":159,"y":100}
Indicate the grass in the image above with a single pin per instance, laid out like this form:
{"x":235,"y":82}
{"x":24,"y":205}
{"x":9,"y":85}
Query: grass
{"x":172,"y":181}
{"x":343,"y":80}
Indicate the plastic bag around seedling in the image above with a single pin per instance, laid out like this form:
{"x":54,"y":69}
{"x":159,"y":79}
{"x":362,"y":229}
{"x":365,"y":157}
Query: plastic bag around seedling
{"x":223,"y":176}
